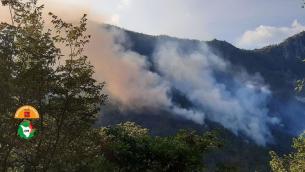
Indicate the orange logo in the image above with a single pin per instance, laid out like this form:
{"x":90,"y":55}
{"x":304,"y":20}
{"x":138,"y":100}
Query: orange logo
{"x":27,"y":112}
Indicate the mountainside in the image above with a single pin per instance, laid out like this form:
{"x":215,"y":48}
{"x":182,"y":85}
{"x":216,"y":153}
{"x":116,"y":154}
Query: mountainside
{"x":279,"y":66}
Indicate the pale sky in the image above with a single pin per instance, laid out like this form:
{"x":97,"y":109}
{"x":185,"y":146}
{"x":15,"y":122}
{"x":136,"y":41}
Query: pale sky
{"x":244,"y":23}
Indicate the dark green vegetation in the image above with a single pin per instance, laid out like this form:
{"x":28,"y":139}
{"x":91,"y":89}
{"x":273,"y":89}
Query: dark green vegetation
{"x":65,"y":94}
{"x":69,"y":99}
{"x":131,"y":148}
{"x":236,"y":153}
{"x":293,"y":162}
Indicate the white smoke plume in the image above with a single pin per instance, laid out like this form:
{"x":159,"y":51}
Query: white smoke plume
{"x":129,"y":81}
{"x":240,"y":108}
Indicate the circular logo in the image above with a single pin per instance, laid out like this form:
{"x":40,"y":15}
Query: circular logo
{"x":26,"y":130}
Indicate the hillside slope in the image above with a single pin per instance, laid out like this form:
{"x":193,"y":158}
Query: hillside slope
{"x":279,"y":65}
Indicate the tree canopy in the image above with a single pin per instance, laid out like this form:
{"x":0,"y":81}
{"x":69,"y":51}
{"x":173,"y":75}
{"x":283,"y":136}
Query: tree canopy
{"x":293,"y":162}
{"x":131,"y":148}
{"x":66,"y":95}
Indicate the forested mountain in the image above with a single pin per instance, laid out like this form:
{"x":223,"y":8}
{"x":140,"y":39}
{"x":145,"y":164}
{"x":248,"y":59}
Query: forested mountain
{"x":280,"y":66}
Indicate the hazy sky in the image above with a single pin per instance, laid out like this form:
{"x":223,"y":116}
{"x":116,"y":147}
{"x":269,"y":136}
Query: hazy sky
{"x":270,"y":21}
{"x":244,"y":23}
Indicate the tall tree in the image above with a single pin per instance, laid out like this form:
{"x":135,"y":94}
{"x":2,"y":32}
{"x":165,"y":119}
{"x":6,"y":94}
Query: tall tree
{"x":66,"y":95}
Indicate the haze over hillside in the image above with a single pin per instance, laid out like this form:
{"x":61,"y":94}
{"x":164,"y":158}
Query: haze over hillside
{"x":250,"y":93}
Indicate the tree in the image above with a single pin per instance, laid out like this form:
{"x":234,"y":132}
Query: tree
{"x":66,"y":95}
{"x":130,"y":148}
{"x":7,"y":101}
{"x":293,"y":162}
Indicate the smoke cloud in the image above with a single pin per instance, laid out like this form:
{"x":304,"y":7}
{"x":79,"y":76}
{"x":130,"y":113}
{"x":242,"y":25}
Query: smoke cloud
{"x":126,"y":73}
{"x":240,"y":105}
{"x":129,"y":81}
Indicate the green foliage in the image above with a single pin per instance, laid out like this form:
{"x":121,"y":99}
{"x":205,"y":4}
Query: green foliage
{"x":293,"y":162}
{"x":131,"y":148}
{"x":66,"y":95}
